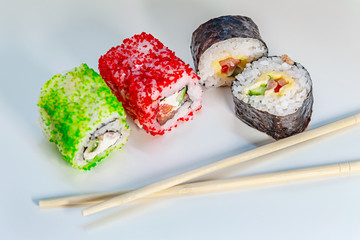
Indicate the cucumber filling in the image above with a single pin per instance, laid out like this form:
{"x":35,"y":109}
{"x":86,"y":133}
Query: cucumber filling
{"x":237,"y":71}
{"x":259,"y":90}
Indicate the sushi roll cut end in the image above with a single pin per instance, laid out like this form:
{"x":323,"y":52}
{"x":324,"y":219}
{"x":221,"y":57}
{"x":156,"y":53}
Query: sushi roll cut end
{"x":82,"y":117}
{"x":274,"y":95}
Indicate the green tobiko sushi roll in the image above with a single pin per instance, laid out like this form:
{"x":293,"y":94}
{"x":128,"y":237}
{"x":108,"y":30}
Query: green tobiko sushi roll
{"x":82,"y":117}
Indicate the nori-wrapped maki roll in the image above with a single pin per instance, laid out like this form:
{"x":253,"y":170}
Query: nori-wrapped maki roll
{"x":82,"y":117}
{"x":274,"y":95}
{"x":221,"y":48}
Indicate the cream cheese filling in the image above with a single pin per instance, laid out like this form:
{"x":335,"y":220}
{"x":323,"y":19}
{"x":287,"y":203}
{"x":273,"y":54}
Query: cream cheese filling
{"x":172,"y":100}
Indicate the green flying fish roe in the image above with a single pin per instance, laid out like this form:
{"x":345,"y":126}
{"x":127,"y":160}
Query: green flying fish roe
{"x":72,"y":105}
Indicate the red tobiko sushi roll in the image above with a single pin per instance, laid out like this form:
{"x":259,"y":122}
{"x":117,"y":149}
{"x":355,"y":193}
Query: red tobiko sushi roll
{"x":156,"y":88}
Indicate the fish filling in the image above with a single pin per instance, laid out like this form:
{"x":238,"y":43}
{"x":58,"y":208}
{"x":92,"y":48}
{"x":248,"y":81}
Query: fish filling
{"x":169,"y":106}
{"x":101,"y":140}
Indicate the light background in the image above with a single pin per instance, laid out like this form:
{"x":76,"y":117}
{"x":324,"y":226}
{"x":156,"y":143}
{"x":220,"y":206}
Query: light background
{"x":42,"y":38}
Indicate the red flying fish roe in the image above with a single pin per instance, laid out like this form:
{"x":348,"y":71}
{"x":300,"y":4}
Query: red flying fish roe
{"x":139,"y":71}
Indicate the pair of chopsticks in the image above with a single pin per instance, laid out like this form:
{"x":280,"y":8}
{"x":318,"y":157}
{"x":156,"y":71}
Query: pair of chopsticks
{"x":168,"y":186}
{"x":332,"y":170}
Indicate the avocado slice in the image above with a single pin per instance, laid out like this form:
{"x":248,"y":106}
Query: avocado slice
{"x":259,"y":90}
{"x":93,"y":145}
{"x":181,"y":95}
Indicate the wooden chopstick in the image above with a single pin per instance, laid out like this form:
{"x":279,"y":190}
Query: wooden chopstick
{"x":311,"y":173}
{"x":242,"y":157}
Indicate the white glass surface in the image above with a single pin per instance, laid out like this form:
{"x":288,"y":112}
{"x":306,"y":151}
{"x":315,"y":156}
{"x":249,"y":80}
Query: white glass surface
{"x":42,"y":38}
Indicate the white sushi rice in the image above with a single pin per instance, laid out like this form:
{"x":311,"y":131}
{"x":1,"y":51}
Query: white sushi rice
{"x":280,"y":106}
{"x":249,"y":48}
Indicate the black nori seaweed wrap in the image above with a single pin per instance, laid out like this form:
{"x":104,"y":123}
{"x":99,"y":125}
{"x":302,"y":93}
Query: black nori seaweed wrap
{"x":220,"y":29}
{"x":277,"y":127}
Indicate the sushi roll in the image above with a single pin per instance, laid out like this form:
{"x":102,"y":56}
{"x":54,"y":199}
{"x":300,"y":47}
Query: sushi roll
{"x":274,"y":95}
{"x":82,"y":117}
{"x":157,"y":88}
{"x":221,"y":48}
